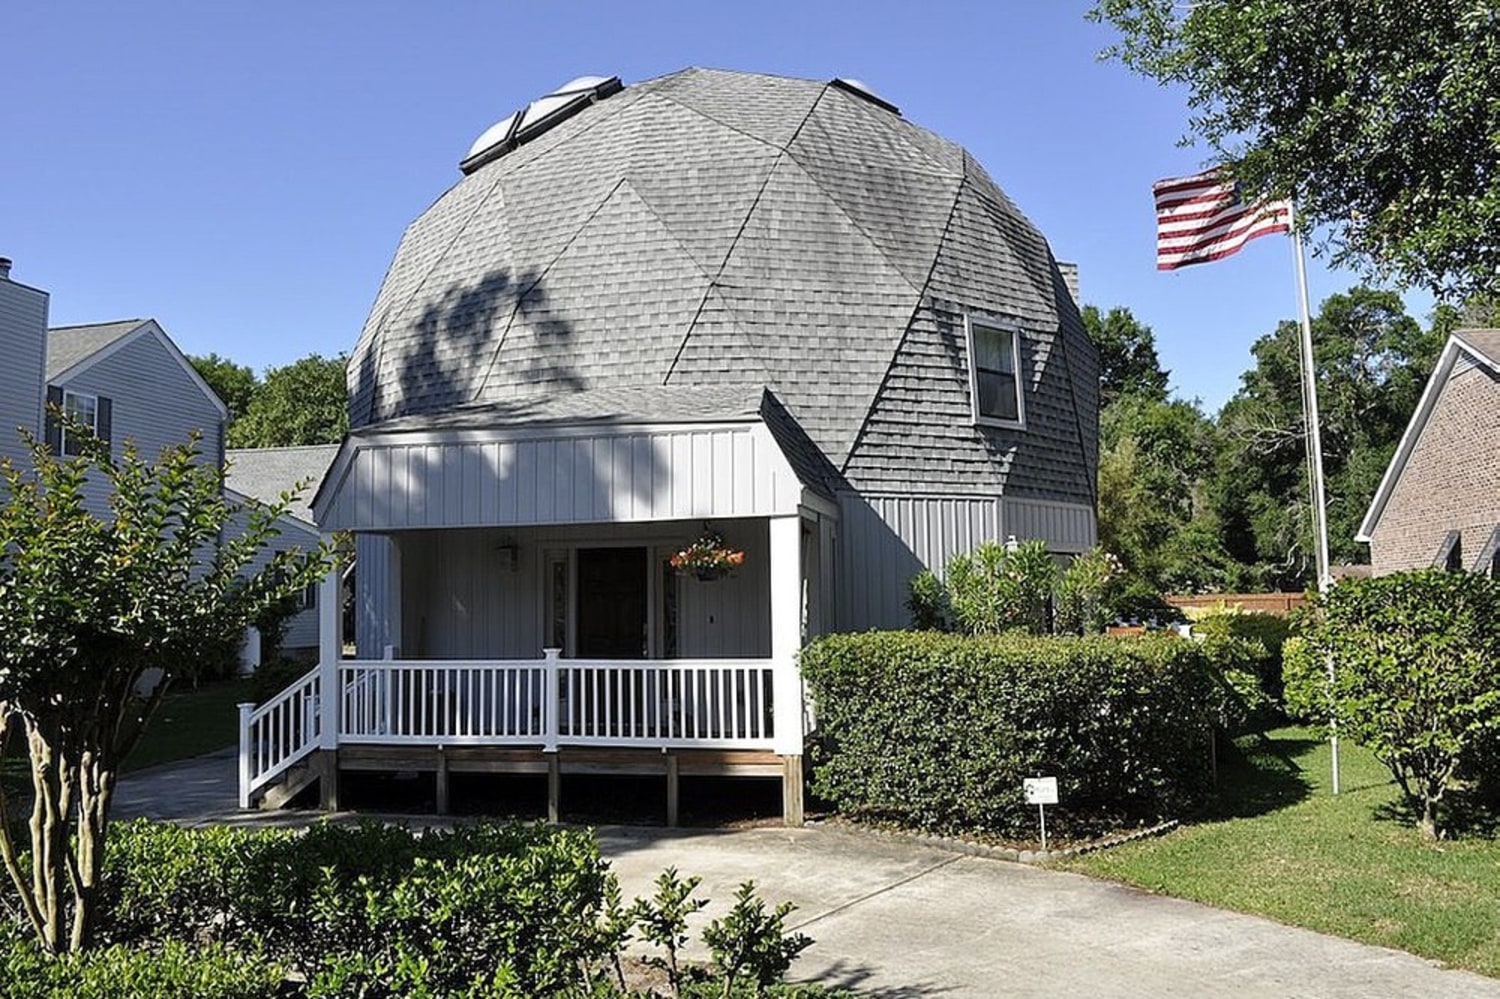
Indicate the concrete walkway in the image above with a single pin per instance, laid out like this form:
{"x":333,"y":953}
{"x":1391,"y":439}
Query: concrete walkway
{"x":899,"y":921}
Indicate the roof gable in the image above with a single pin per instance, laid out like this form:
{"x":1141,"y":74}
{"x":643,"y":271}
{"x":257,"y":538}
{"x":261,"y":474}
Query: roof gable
{"x":1476,"y":347}
{"x":72,"y":350}
{"x":69,"y":347}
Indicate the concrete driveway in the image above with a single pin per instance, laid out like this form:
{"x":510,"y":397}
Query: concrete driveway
{"x":900,"y":921}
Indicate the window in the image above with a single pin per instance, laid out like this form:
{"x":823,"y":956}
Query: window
{"x":994,"y":373}
{"x":309,"y":599}
{"x":82,"y":409}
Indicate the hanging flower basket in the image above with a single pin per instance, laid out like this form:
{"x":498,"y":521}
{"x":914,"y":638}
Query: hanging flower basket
{"x":708,"y":558}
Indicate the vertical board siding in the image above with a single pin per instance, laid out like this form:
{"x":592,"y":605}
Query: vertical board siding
{"x":372,"y":560}
{"x":729,"y":617}
{"x":459,"y":601}
{"x":1066,"y":527}
{"x":885,"y":540}
{"x":619,"y":476}
{"x":23,"y":345}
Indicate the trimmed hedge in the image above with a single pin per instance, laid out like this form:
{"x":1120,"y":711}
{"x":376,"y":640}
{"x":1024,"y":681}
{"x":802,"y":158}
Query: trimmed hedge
{"x":173,"y":971}
{"x":380,"y":912}
{"x":370,"y":910}
{"x":936,"y":732}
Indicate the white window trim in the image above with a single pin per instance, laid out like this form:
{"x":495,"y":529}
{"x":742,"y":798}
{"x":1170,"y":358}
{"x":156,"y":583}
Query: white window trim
{"x":69,"y":394}
{"x":1002,"y":326}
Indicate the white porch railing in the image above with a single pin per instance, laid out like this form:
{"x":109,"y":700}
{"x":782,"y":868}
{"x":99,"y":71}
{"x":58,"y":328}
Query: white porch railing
{"x":547,"y":703}
{"x":274,"y":736}
{"x":711,"y":703}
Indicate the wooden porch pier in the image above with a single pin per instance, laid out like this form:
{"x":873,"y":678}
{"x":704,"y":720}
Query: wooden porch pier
{"x":673,"y":765}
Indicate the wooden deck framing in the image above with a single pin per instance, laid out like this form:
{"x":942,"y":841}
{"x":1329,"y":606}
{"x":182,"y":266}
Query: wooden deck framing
{"x":671,"y":764}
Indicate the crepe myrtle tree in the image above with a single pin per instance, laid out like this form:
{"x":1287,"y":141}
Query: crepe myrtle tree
{"x":1404,"y":664}
{"x":92,"y":608}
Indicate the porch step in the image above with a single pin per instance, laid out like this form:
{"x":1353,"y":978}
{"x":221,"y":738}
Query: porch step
{"x":296,"y":780}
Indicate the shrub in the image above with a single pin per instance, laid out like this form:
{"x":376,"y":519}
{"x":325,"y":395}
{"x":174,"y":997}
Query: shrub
{"x":380,"y":909}
{"x":174,"y":970}
{"x":937,"y":731}
{"x":1083,"y":603}
{"x":927,"y":599}
{"x":998,"y":588}
{"x":1414,"y":677}
{"x":1270,"y":631}
{"x":474,"y":912}
{"x":750,"y":944}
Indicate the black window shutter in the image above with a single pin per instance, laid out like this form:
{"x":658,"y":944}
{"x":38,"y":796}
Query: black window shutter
{"x":53,"y":431}
{"x":105,"y":419}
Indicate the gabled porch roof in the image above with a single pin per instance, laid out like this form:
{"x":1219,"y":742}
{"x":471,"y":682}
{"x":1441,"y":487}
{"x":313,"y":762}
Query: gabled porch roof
{"x":596,"y":456}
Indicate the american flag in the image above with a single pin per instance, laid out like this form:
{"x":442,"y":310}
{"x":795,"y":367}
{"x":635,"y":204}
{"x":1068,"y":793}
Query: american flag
{"x":1202,"y":218}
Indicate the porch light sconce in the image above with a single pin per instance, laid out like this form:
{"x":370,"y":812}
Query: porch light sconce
{"x":507,"y":556}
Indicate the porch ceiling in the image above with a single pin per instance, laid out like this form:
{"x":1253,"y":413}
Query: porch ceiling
{"x":613,"y":455}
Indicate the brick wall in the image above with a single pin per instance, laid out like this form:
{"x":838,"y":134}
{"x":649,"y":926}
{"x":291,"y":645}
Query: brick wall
{"x":1451,"y":481}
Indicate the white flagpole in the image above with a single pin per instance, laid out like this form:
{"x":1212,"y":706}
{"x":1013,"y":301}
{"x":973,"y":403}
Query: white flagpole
{"x":1314,"y":449}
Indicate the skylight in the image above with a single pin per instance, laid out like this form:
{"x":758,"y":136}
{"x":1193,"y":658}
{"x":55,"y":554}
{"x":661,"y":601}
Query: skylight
{"x":537,"y":117}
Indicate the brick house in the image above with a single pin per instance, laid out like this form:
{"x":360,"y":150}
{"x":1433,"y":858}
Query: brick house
{"x":1439,"y":502}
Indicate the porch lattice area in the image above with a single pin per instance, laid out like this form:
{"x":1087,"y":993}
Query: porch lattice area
{"x":552,"y":715}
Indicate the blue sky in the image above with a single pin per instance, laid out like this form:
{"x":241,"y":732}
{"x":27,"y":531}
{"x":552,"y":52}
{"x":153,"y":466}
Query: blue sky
{"x":242,"y":172}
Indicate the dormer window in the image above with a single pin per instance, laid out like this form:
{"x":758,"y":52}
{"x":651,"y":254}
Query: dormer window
{"x":995,"y":373}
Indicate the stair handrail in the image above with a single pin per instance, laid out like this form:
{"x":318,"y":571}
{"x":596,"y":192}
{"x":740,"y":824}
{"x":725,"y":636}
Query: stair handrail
{"x":279,"y":733}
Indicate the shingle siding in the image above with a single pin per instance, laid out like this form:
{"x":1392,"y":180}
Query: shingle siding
{"x":23,"y":340}
{"x":1451,"y":481}
{"x":711,"y":228}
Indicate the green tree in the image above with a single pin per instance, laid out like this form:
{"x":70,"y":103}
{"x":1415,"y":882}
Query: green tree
{"x":99,"y":615}
{"x":301,"y":403}
{"x":1153,"y":457}
{"x":234,"y":384}
{"x":1128,"y":364}
{"x":1372,"y":361}
{"x":1414,"y":679}
{"x":1380,"y":117}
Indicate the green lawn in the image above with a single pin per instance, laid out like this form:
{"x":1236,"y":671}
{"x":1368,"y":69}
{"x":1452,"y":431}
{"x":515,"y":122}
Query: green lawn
{"x":190,"y":723}
{"x":1278,"y":844}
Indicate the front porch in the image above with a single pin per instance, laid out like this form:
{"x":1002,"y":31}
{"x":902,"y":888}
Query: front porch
{"x":517,"y":608}
{"x":670,"y":718}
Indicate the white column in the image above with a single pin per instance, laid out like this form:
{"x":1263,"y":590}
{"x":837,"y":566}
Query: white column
{"x":786,"y":631}
{"x":246,"y":710}
{"x":330,"y":653}
{"x":393,"y":595}
{"x":552,"y":692}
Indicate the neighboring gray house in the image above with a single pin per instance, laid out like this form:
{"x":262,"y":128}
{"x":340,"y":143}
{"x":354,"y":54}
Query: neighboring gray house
{"x":23,"y":345}
{"x":1439,"y":503}
{"x":263,"y":475}
{"x":127,"y":380}
{"x":766,"y":307}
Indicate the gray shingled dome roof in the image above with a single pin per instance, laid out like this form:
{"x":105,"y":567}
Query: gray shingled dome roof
{"x":713,"y":228}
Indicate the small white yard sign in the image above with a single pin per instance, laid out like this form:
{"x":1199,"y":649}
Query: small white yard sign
{"x":1041,"y":792}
